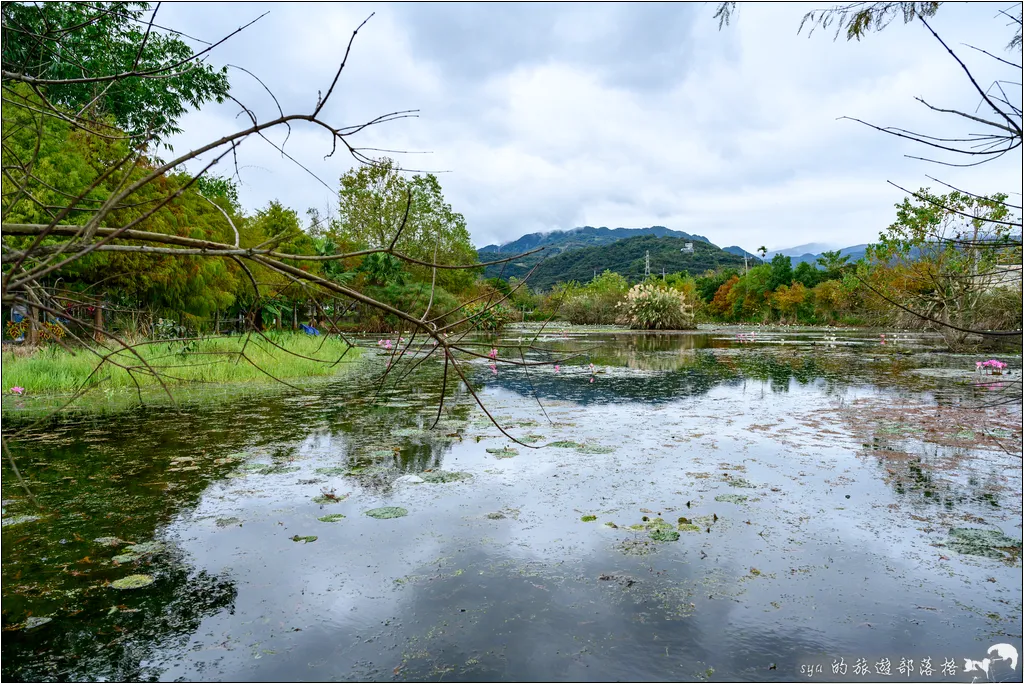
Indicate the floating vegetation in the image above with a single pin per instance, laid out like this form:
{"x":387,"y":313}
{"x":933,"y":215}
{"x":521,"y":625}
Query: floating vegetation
{"x":32,"y":622}
{"x":332,"y":517}
{"x":139,"y":552}
{"x":688,"y":527}
{"x":611,"y":525}
{"x":637,"y":547}
{"x":132,"y":582}
{"x":410,"y":432}
{"x":739,"y":482}
{"x":594,"y":449}
{"x":309,"y":538}
{"x":18,"y":520}
{"x":332,"y":470}
{"x":495,"y":516}
{"x":387,"y":512}
{"x":443,"y":476}
{"x":731,"y":498}
{"x":503,"y":452}
{"x":588,"y":518}
{"x":267,"y":468}
{"x":227,"y":522}
{"x":329,"y":499}
{"x":564,"y":444}
{"x":660,"y":535}
{"x":531,"y":439}
{"x":109,"y":541}
{"x":977,"y":542}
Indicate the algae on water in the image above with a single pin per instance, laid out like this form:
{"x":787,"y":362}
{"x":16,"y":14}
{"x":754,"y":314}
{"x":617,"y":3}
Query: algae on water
{"x":731,"y":498}
{"x":978,"y":542}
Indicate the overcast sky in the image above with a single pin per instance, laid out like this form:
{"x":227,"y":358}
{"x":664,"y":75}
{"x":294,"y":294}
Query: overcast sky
{"x":542,"y":117}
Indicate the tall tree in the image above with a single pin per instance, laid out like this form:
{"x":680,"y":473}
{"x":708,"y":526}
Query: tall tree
{"x":379,"y":208}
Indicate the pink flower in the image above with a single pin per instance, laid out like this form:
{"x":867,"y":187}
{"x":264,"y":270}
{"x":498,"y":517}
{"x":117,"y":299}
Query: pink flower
{"x":591,"y":379}
{"x":493,"y":354}
{"x":17,"y":390}
{"x":556,"y":367}
{"x":494,"y":369}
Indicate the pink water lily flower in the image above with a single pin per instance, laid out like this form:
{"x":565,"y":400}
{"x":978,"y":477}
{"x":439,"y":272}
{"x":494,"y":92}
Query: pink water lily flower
{"x":557,"y":367}
{"x":17,"y":390}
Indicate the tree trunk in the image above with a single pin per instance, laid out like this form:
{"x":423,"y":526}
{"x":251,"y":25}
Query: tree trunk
{"x":33,"y":327}
{"x":295,"y":316}
{"x":216,"y":321}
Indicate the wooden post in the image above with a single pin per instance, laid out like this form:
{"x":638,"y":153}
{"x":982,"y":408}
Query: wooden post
{"x":295,"y":315}
{"x":98,"y":322}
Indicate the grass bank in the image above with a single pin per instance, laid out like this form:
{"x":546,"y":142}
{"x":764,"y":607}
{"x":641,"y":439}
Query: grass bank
{"x":215,"y":360}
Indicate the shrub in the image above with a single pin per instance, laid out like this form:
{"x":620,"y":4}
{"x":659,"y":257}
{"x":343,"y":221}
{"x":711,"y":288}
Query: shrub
{"x":483,"y":316}
{"x":649,"y":307}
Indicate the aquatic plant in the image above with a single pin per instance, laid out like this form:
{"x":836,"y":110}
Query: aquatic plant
{"x":333,"y":517}
{"x":132,"y":582}
{"x":588,"y":518}
{"x":387,"y":512}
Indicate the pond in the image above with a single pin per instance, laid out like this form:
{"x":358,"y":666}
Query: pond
{"x":717,"y":505}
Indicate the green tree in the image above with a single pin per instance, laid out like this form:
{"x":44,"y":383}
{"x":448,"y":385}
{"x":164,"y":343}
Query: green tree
{"x":781,"y":271}
{"x":376,"y":202}
{"x":943,"y":257}
{"x":79,"y":49}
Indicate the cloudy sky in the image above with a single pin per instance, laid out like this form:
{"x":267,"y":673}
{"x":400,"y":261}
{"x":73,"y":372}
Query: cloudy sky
{"x":543,"y":117}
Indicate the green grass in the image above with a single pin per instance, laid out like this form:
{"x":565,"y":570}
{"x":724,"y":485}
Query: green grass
{"x":52,"y":370}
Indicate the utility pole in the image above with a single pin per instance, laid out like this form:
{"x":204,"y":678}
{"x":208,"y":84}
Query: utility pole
{"x":647,"y":265}
{"x":744,"y":263}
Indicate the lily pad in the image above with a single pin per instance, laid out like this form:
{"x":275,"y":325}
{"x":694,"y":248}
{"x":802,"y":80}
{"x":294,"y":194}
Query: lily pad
{"x":740,"y":482}
{"x":664,"y":535}
{"x":565,"y":444}
{"x":443,"y":476}
{"x":495,"y":516}
{"x":979,"y":542}
{"x":688,"y":527}
{"x":227,"y":522}
{"x":132,"y":582}
{"x":588,"y":518}
{"x":333,"y":517}
{"x":387,"y":512}
{"x":731,"y":498}
{"x":503,"y":452}
{"x":306,"y":540}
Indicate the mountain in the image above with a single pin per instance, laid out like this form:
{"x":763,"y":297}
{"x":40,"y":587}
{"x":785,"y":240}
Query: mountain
{"x":739,"y":251}
{"x":802,"y":250}
{"x":627,"y":257}
{"x":855,"y":252}
{"x":559,"y":241}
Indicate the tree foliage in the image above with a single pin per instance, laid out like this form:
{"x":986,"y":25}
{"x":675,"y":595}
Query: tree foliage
{"x":75,"y":49}
{"x":380,"y":208}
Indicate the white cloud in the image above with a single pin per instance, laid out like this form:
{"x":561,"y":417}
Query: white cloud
{"x":548,"y":116}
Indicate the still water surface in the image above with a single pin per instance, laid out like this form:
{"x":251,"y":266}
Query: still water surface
{"x":818,"y":478}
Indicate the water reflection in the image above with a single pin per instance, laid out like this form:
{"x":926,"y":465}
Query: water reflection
{"x":498,"y":576}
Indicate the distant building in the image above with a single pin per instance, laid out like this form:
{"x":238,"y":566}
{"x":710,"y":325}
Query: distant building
{"x":688,"y":247}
